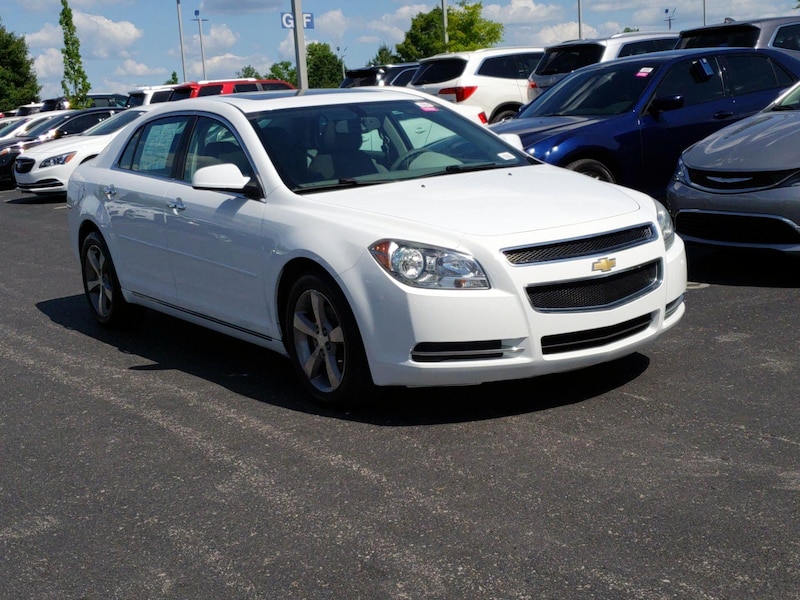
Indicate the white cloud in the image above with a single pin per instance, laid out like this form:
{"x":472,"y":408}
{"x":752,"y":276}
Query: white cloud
{"x":521,"y":12}
{"x":132,"y":68}
{"x":391,"y":28}
{"x":332,"y":26}
{"x":103,"y":38}
{"x":48,"y":35}
{"x":49,"y":64}
{"x":555,"y":34}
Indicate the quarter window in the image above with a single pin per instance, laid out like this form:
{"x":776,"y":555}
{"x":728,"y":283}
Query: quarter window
{"x":748,"y":74}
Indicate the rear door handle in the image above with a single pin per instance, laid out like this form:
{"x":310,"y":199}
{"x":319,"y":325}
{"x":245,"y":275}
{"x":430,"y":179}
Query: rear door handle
{"x":723,"y":114}
{"x":110,"y":191}
{"x":177,"y":205}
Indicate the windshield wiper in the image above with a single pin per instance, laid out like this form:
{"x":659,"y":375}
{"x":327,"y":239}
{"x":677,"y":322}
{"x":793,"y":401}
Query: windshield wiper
{"x":343,"y":183}
{"x":785,"y":107}
{"x":472,"y":167}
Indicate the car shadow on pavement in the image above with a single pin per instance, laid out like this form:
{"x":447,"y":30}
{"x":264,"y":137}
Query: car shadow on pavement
{"x":165,"y":344}
{"x":743,"y":267}
{"x":36,"y":199}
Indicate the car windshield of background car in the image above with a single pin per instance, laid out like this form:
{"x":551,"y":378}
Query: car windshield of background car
{"x":114,"y":122}
{"x":609,"y":91}
{"x":791,"y":101}
{"x":344,"y":145}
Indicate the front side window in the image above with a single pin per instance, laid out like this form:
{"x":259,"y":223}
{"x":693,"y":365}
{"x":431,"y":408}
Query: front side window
{"x":696,"y":81}
{"x":213,"y":143}
{"x":153,"y":148}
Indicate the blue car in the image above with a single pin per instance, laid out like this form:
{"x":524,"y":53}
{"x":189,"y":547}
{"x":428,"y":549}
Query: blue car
{"x":627,"y":121}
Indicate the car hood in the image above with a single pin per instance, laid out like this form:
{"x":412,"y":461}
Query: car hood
{"x":534,"y":128}
{"x":766,"y":141}
{"x":71,"y":143}
{"x":497,"y":202}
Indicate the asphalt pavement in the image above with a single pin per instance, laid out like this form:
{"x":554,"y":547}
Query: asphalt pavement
{"x":167,"y":461}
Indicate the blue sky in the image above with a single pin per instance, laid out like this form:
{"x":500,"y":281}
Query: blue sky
{"x":125,"y":43}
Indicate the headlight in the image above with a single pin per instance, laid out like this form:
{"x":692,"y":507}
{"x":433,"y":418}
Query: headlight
{"x":61,"y":159}
{"x":665,"y":224}
{"x":428,"y":267}
{"x":680,"y":172}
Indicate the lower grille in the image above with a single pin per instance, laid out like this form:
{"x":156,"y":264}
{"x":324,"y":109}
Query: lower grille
{"x":444,"y":351}
{"x":594,"y":338}
{"x":736,"y":228}
{"x":597,"y":292}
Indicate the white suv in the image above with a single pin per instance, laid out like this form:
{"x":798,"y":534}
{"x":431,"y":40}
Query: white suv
{"x":150,"y":94}
{"x":495,"y":79}
{"x":562,"y":59}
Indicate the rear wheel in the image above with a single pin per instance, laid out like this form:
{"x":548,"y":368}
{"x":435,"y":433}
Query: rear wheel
{"x":324,"y":343}
{"x":592,"y":168}
{"x":503,"y":114}
{"x":100,"y":284}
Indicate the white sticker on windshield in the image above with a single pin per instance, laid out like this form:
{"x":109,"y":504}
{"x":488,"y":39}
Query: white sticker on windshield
{"x":644,"y":72}
{"x":427,"y":107}
{"x":506,"y":156}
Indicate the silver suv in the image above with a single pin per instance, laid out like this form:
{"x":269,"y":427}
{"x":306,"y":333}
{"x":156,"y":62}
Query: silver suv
{"x":493,"y":79}
{"x":562,"y":59}
{"x":781,"y":33}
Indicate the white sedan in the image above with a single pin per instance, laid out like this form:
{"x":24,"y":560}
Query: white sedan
{"x":377,"y":239}
{"x":45,"y":169}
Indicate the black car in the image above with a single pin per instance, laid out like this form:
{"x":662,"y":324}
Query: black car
{"x":397,"y":74}
{"x":62,"y":123}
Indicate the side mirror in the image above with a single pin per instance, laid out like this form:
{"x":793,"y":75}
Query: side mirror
{"x":224,"y":178}
{"x":665,"y":103}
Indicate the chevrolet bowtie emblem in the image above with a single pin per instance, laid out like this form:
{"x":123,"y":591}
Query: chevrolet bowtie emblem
{"x":604,"y":264}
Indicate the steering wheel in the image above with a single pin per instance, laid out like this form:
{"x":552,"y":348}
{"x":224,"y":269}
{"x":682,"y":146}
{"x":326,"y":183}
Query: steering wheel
{"x":406,"y":158}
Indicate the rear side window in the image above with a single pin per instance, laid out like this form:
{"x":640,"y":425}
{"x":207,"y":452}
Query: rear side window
{"x":245,"y":87}
{"x":748,"y":74}
{"x":745,"y":36}
{"x":404,"y":77}
{"x":181,"y":94}
{"x":647,"y":46}
{"x":153,"y":148}
{"x":83,"y":123}
{"x":569,"y":58}
{"x":161,"y":96}
{"x":209,"y":90}
{"x":788,"y":37}
{"x":437,"y":71}
{"x":504,"y":67}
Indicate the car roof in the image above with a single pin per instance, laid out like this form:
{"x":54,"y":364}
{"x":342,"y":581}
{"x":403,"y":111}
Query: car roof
{"x":626,"y":36}
{"x":666,"y":56}
{"x":733,"y":23}
{"x":251,"y":102}
{"x":466,"y":54}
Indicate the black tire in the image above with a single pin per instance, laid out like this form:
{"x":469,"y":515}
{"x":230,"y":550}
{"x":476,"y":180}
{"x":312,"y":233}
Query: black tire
{"x":101,"y":285}
{"x":592,"y":168}
{"x":324,"y":343}
{"x":504,"y":114}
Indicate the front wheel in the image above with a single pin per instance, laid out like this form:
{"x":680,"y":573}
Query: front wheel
{"x":593,"y":169}
{"x":101,"y":285}
{"x":324,"y":343}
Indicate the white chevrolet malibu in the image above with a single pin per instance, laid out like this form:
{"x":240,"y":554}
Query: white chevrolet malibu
{"x":375,"y":237}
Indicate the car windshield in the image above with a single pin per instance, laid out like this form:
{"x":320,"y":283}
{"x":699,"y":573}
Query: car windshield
{"x":324,"y":147}
{"x":790,"y":102}
{"x":114,"y":122}
{"x":609,"y":91}
{"x":46,"y":125}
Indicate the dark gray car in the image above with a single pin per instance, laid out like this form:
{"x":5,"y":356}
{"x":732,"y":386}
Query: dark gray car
{"x":740,"y":187}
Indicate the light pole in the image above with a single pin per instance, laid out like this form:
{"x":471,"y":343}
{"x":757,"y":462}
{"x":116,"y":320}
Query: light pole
{"x":200,"y":28}
{"x":180,"y":34}
{"x":444,"y":25}
{"x":580,"y":21}
{"x":341,"y":59}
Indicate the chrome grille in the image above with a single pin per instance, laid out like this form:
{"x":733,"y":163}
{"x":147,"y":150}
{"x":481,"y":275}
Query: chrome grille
{"x":597,"y":292}
{"x":23,"y":165}
{"x":735,"y":181}
{"x":580,"y":247}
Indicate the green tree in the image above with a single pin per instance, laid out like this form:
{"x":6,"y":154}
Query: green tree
{"x":466,"y":30}
{"x":325,"y":69}
{"x":18,"y":84}
{"x":283,"y":70}
{"x":630,"y":30}
{"x":75,"y":83}
{"x":172,"y":80}
{"x":249,"y":71}
{"x":385,"y":56}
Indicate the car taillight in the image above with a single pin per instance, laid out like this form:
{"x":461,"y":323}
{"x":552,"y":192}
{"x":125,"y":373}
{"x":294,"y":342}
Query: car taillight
{"x":482,"y":117}
{"x":532,"y":84}
{"x":461,"y":93}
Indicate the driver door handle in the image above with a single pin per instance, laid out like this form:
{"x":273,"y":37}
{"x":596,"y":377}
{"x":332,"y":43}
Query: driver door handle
{"x":177,"y":205}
